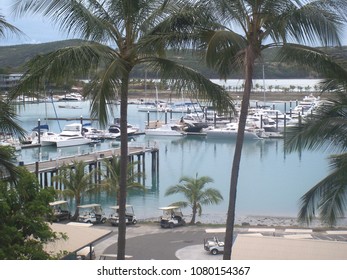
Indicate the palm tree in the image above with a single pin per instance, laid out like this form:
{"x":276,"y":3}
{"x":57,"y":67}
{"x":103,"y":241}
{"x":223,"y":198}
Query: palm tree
{"x":196,"y":194}
{"x":76,"y":181}
{"x":247,"y":27}
{"x":118,"y":34}
{"x":111,"y":179}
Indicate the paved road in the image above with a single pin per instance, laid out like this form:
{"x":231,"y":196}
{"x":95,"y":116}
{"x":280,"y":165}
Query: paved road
{"x":149,"y":241}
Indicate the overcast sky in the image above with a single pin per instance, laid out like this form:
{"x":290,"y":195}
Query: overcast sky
{"x":40,"y":30}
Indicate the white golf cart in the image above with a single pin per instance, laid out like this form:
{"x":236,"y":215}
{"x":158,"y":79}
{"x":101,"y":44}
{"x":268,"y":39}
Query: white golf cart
{"x":91,"y":213}
{"x":214,"y":245}
{"x":172,"y":217}
{"x":130,"y":217}
{"x":60,"y":210}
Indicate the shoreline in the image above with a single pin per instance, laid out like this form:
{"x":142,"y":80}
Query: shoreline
{"x":258,"y":221}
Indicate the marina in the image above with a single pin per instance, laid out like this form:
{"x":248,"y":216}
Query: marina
{"x":271,"y":181}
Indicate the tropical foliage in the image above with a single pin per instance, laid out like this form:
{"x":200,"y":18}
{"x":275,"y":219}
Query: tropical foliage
{"x":76,"y":182}
{"x":111,"y":176}
{"x":119,"y":36}
{"x":24,"y":209}
{"x":247,"y":28}
{"x":325,"y":129}
{"x":196,"y":194}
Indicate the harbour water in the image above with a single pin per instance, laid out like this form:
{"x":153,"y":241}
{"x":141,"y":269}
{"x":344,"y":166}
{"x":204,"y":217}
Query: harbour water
{"x":270,"y":182}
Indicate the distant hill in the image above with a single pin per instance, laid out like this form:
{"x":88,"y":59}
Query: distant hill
{"x":12,"y":59}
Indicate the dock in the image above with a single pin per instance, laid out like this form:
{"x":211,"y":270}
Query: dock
{"x":45,"y":170}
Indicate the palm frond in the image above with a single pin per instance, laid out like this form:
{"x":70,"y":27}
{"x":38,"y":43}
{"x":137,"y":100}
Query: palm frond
{"x":325,"y":128}
{"x":7,"y":28}
{"x":225,"y":52}
{"x":61,"y":65}
{"x":312,"y":58}
{"x":9,"y":123}
{"x":327,"y":198}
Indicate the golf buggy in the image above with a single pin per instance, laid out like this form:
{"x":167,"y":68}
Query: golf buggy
{"x":60,"y":210}
{"x":214,"y":245}
{"x":130,"y":217}
{"x":172,"y":217}
{"x":91,"y":213}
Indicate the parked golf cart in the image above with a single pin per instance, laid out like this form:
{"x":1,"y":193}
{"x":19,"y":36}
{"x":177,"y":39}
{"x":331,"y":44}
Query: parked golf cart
{"x":130,"y":217}
{"x":172,"y":217}
{"x":214,"y":245}
{"x":91,"y":213}
{"x":60,"y":210}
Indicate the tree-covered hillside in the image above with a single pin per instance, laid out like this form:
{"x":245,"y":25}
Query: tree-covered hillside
{"x":12,"y":59}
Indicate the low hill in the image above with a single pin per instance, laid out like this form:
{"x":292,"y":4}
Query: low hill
{"x":12,"y":59}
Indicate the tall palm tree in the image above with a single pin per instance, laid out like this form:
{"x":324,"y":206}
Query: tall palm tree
{"x":248,"y":27}
{"x":111,"y":180}
{"x":195,"y":193}
{"x":117,"y":34}
{"x":76,"y":181}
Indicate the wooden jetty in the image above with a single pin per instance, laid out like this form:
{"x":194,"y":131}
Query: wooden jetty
{"x":45,"y":170}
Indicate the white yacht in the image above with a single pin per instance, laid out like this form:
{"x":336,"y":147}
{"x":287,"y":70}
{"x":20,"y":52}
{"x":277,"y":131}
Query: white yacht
{"x":160,"y":129}
{"x":230,"y":131}
{"x":70,"y":136}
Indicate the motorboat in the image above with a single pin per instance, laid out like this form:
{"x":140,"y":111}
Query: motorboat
{"x":114,"y":132}
{"x":70,"y":136}
{"x":72,"y":97}
{"x":167,"y":129}
{"x":230,"y":131}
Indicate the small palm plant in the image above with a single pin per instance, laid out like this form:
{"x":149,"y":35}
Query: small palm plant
{"x":77,"y":182}
{"x":111,"y":181}
{"x":196,"y":194}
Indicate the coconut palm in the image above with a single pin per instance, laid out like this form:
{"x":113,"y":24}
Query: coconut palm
{"x":111,"y":180}
{"x":250,"y":26}
{"x":196,"y":194}
{"x":117,"y":34}
{"x":77,"y":182}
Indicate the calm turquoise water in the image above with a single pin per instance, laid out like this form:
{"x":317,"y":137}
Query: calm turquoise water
{"x":270,"y":182}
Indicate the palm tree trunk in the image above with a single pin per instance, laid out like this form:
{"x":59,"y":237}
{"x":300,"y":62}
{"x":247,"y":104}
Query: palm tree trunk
{"x":192,"y":221}
{"x":123,"y":167}
{"x":249,"y":66}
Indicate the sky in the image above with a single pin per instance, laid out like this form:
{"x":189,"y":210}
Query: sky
{"x":40,"y":30}
{"x":37,"y":29}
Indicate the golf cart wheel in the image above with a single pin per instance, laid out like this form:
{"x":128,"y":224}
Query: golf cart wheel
{"x":171,"y":225}
{"x":134,"y":222}
{"x":103,"y":220}
{"x":214,"y":251}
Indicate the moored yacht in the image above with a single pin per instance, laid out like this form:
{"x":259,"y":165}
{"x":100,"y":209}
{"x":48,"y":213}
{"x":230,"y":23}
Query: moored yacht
{"x":70,"y":136}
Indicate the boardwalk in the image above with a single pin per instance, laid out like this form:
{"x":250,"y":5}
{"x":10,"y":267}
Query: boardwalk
{"x":45,"y":170}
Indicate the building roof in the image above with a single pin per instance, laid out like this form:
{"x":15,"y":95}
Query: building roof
{"x":247,"y":247}
{"x":78,"y":237}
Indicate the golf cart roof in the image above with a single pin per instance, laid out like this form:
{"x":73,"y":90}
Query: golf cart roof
{"x":169,"y":207}
{"x":89,"y":205}
{"x":117,"y":206}
{"x":58,"y":202}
